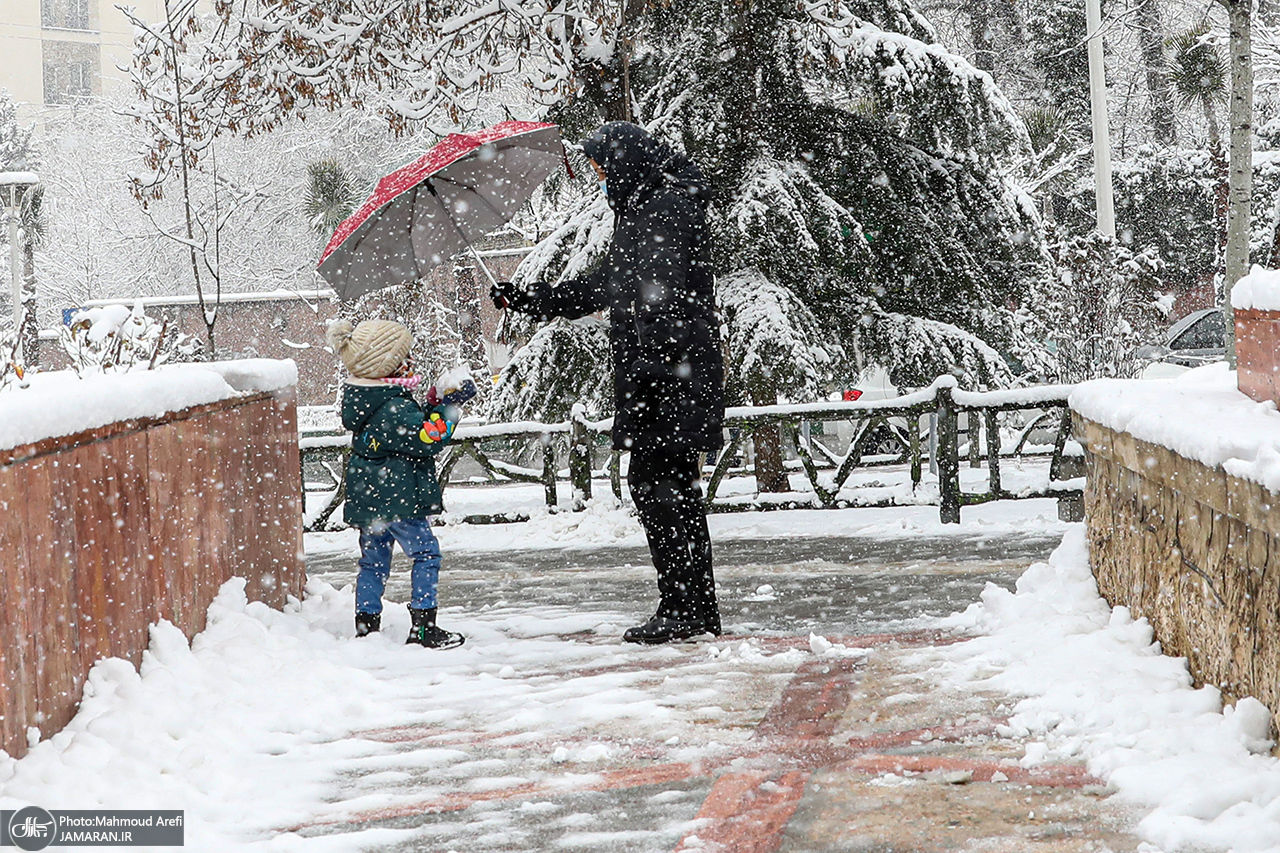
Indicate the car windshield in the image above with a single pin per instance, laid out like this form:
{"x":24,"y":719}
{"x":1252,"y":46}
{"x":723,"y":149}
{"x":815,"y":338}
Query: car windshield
{"x":1205,"y":333}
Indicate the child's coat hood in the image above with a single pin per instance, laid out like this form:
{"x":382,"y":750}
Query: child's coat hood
{"x":360,"y":402}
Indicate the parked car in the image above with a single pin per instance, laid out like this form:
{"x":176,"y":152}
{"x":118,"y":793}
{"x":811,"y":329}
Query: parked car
{"x":1194,"y":340}
{"x":889,"y":438}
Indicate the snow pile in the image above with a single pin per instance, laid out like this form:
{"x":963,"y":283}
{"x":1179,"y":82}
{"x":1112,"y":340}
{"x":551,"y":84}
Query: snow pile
{"x":151,"y":738}
{"x":62,"y":404}
{"x":254,"y":375}
{"x":1096,"y":687}
{"x":271,"y":720}
{"x":1259,"y":290}
{"x":824,"y":648}
{"x":1200,"y":415}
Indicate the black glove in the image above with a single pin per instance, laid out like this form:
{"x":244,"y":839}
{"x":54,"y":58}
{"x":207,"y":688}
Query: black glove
{"x":504,"y":295}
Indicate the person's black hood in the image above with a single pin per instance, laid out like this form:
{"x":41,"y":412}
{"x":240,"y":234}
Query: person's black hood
{"x":633,"y":159}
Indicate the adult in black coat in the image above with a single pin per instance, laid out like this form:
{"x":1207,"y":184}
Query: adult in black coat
{"x":656,"y":284}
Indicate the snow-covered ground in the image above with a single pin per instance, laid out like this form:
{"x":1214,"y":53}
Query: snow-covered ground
{"x":273,"y":729}
{"x":604,"y":523}
{"x":1092,"y":684}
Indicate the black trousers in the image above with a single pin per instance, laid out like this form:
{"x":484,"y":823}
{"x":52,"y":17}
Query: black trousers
{"x":665,"y":487}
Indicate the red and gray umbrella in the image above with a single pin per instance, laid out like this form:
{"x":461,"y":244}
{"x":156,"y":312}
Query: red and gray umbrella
{"x":426,"y":212}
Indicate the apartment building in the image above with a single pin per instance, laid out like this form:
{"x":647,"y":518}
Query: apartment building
{"x":56,"y":52}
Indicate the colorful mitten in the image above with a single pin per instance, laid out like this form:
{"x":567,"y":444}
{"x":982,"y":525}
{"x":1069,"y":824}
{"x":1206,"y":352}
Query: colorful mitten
{"x":435,"y":428}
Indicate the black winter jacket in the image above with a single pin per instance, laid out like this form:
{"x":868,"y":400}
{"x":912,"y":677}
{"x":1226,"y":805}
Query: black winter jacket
{"x":657,"y":284}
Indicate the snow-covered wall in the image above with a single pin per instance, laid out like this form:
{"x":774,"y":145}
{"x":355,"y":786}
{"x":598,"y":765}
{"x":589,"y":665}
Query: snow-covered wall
{"x":1200,"y":415}
{"x":1259,"y":291}
{"x":1183,"y":520}
{"x":126,"y":500}
{"x":58,"y":404}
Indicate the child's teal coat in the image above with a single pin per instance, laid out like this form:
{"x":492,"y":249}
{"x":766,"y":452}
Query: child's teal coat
{"x":392,"y":472}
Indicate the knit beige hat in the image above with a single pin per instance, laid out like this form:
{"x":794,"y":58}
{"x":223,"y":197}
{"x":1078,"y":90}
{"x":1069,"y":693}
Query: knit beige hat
{"x":371,"y":350}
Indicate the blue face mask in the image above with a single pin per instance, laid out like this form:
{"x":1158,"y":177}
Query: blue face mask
{"x":604,"y":187}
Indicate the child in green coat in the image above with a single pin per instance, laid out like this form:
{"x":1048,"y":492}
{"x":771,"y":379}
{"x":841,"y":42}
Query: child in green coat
{"x":392,"y":487}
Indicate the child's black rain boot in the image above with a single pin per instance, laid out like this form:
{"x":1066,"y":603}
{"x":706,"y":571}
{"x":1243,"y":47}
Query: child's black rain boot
{"x":367,"y":623}
{"x":425,"y":633}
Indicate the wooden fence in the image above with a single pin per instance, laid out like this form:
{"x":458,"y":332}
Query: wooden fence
{"x":107,"y":531}
{"x":942,"y":406}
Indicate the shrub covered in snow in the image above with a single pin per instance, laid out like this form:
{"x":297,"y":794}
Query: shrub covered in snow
{"x":1099,"y":306}
{"x":116,"y":339}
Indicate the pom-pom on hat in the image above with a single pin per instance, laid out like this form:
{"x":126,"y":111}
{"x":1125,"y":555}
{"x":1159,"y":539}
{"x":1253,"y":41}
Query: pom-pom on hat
{"x":371,"y":350}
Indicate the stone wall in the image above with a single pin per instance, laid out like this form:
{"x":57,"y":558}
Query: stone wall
{"x":1193,"y":550}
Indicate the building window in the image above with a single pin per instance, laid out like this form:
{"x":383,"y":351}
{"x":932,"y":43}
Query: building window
{"x":65,"y":14}
{"x":70,"y":71}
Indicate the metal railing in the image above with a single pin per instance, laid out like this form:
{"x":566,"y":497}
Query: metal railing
{"x":535,"y":451}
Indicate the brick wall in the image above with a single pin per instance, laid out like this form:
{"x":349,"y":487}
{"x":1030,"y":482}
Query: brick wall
{"x":289,"y":326}
{"x":110,"y":530}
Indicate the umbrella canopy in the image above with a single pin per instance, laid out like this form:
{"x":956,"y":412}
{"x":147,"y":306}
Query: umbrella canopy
{"x":426,"y":212}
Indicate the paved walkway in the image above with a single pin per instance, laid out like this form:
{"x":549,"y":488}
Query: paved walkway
{"x":765,"y":742}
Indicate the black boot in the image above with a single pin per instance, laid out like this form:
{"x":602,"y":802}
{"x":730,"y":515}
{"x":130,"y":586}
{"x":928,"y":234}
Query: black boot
{"x":367,"y":623}
{"x":425,"y":633}
{"x":664,"y":629}
{"x":712,"y":623}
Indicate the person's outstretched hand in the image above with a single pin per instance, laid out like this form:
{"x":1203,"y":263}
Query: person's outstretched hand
{"x":506,"y":295}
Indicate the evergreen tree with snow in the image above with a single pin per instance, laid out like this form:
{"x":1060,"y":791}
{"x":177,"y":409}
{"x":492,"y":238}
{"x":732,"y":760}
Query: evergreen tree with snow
{"x":1056,"y":35}
{"x":860,"y":170}
{"x":558,"y":367}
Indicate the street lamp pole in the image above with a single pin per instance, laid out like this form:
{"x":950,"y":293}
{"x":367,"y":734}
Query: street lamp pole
{"x":18,"y":184}
{"x":15,"y":271}
{"x":1101,"y":133}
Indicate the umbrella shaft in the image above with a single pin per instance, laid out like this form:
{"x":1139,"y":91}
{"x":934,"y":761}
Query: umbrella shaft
{"x":483,"y":265}
{"x":449,"y":213}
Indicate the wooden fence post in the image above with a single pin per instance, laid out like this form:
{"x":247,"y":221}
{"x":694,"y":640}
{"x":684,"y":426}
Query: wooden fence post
{"x":338,"y":498}
{"x":549,"y":468}
{"x":973,"y":429}
{"x":913,"y":437}
{"x":579,"y":457}
{"x":1064,"y":466}
{"x":993,"y":449}
{"x":948,"y":454}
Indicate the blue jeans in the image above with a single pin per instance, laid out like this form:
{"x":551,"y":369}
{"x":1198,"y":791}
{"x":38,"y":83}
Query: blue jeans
{"x":418,"y":543}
